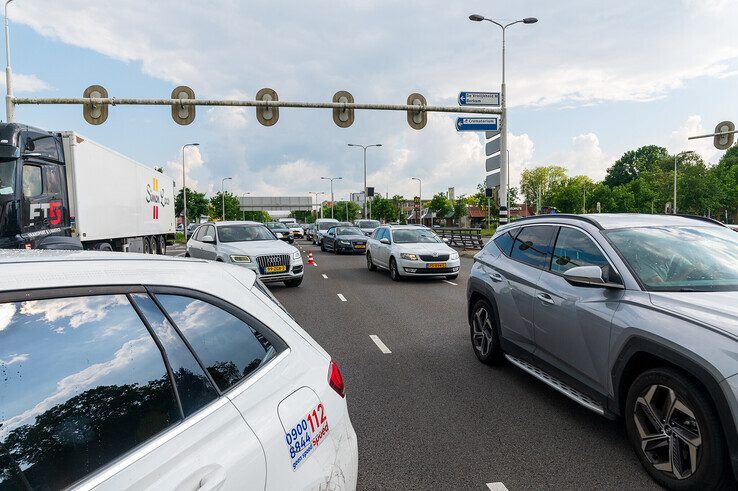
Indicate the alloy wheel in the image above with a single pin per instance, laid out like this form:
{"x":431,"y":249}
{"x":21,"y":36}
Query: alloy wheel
{"x":669,"y":431}
{"x":482,"y":331}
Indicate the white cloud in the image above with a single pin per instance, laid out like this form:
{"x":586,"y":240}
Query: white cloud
{"x":23,"y":83}
{"x":679,"y":140}
{"x":7,"y":311}
{"x":193,"y":161}
{"x":14,"y":358}
{"x":79,"y":310}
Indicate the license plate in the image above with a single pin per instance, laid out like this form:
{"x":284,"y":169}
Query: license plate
{"x":436,"y":265}
{"x":360,"y":246}
{"x":276,"y":269}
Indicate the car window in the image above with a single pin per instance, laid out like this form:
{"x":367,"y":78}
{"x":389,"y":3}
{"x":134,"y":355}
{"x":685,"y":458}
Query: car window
{"x":574,"y":248}
{"x":83,"y":383}
{"x":415,"y":236}
{"x":505,"y":241}
{"x":193,"y":386}
{"x":348,"y":231}
{"x":209,"y":230}
{"x":32,"y":181}
{"x":41,"y":144}
{"x":244,"y":233}
{"x":229,"y":348}
{"x":199,"y":233}
{"x":53,"y":180}
{"x":332,"y":231}
{"x":533,"y":245}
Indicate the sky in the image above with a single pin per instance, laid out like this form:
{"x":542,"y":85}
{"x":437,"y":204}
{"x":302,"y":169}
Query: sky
{"x":588,"y":82}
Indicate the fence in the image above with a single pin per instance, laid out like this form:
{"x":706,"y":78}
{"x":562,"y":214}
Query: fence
{"x":465,"y":238}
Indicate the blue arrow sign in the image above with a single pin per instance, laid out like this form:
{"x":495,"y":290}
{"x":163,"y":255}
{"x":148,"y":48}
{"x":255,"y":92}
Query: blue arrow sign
{"x":478,"y":124}
{"x":479,"y":99}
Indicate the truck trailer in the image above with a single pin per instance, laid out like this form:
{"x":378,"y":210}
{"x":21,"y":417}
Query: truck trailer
{"x":61,"y":184}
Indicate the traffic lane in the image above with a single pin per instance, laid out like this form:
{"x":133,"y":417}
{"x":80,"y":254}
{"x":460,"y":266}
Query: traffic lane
{"x":430,"y":410}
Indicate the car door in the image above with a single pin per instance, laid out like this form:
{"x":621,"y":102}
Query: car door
{"x":382,"y":254}
{"x":209,"y":250}
{"x":193,"y":245}
{"x":572,"y":323}
{"x":330,"y":239}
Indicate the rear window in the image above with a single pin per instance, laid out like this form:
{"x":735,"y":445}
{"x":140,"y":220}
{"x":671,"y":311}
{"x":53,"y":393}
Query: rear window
{"x":505,"y":241}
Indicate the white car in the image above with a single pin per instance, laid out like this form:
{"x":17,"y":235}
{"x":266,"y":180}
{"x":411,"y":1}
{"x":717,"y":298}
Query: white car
{"x":321,"y":227}
{"x":367,"y":226}
{"x":411,"y":251}
{"x":297,"y":231}
{"x":131,"y":371}
{"x":248,"y":244}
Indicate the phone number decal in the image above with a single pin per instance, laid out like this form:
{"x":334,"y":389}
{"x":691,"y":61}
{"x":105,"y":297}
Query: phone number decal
{"x":306,"y":435}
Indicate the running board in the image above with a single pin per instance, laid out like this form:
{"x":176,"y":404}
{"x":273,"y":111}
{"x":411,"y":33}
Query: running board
{"x":557,"y":384}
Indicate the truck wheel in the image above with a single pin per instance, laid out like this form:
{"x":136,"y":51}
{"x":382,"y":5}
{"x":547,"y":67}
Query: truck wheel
{"x":104,"y":246}
{"x":161,"y":245}
{"x":146,"y":245}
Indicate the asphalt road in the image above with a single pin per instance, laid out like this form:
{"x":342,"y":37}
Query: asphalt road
{"x":428,"y":414}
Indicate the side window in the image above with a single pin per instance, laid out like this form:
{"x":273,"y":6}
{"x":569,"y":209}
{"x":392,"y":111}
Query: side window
{"x":32,"y":186}
{"x":332,"y":231}
{"x":83,"y":383}
{"x":229,"y":348}
{"x":209,"y":230}
{"x":199,"y":233}
{"x":505,"y":241}
{"x":533,"y":245}
{"x":53,"y":180}
{"x":41,"y":144}
{"x":377,"y":233}
{"x":574,"y":248}
{"x":193,"y":386}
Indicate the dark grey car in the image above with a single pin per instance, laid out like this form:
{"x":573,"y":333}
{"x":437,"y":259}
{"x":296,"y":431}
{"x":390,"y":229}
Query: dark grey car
{"x":632,"y":316}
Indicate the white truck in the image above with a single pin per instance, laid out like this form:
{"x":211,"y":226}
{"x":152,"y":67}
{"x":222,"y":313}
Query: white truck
{"x":57,"y":185}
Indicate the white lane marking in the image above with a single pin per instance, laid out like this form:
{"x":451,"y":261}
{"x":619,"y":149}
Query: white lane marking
{"x":382,"y":347}
{"x":450,"y":282}
{"x":343,"y":299}
{"x":496,"y":486}
{"x":325,"y":276}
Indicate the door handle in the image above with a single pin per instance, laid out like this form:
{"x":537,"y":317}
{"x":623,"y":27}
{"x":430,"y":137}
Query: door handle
{"x":495,"y":276}
{"x":213,"y":480}
{"x":545,"y":298}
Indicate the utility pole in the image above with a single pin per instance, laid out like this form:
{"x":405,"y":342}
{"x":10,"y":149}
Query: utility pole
{"x":222,"y":194}
{"x":366,"y":192}
{"x":333,"y":201}
{"x":9,"y":105}
{"x":420,"y":198}
{"x":184,"y":186}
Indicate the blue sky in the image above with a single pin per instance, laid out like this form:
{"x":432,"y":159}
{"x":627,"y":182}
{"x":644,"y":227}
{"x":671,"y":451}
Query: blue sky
{"x":590,"y":81}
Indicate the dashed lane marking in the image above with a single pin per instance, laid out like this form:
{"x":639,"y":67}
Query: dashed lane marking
{"x":325,"y":276}
{"x":382,"y":347}
{"x":343,"y":299}
{"x":450,"y":282}
{"x":496,"y":486}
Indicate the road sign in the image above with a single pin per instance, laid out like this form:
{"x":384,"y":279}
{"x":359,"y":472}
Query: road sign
{"x":493,"y":147}
{"x":493,"y":179}
{"x":478,"y":124}
{"x":97,"y":113}
{"x":343,"y":117}
{"x":479,"y":99}
{"x":182,"y":114}
{"x":266,"y":115}
{"x":493,"y":162}
{"x":491,"y":134}
{"x":724,"y":142}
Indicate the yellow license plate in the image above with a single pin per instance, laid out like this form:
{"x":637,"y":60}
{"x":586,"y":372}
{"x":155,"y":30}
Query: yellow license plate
{"x":436,"y":265}
{"x":276,"y":269}
{"x":360,"y":246}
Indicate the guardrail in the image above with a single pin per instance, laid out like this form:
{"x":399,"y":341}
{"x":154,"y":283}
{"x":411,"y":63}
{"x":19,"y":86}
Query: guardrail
{"x":465,"y":238}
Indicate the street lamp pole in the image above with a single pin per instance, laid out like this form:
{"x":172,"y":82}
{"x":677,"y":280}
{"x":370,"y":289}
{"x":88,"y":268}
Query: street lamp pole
{"x":244,"y":211}
{"x":332,"y":198}
{"x":366,"y":192}
{"x":504,"y":164}
{"x":9,"y":105}
{"x":222,"y":194}
{"x":420,"y":197}
{"x":686,"y":152}
{"x":184,"y":186}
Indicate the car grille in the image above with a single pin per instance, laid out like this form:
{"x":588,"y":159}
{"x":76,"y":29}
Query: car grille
{"x":273,"y":260}
{"x":429,"y":257}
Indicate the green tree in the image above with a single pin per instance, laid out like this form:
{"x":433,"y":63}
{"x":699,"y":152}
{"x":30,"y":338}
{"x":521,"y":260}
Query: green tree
{"x":197,"y":205}
{"x":633,"y":162}
{"x":461,"y":208}
{"x":302,"y":216}
{"x":232,"y":207}
{"x":540,"y":180}
{"x":343,"y":211}
{"x":513,"y":197}
{"x":398,"y":201}
{"x":440,"y":205}
{"x":256,"y":216}
{"x":568,"y":196}
{"x":383,"y":209}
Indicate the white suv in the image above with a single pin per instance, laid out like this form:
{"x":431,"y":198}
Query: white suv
{"x":411,"y":251}
{"x":129,"y":371}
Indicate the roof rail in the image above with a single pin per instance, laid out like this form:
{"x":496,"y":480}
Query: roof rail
{"x":560,"y":215}
{"x":704,"y":219}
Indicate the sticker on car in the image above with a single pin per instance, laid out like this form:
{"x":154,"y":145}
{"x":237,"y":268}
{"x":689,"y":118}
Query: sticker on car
{"x":303,"y":438}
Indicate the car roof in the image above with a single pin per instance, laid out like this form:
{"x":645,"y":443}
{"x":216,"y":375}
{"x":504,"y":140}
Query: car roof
{"x":608,"y":221}
{"x":236,"y":222}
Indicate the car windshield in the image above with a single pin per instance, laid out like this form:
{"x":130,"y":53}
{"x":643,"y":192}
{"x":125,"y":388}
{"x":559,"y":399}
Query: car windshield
{"x":415,"y":236}
{"x":348,"y":231}
{"x":326,"y":225}
{"x":277,"y":226}
{"x":244,"y":233}
{"x":7,"y":178}
{"x":367,"y":223}
{"x":680,"y":258}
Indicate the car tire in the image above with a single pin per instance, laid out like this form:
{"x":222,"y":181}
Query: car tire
{"x":187,"y":254}
{"x":394,"y":271}
{"x":691,"y":415}
{"x":293,"y":283}
{"x":322,"y":246}
{"x":485,"y":333}
{"x":162,"y":245}
{"x":452,"y":276}
{"x":369,"y":263}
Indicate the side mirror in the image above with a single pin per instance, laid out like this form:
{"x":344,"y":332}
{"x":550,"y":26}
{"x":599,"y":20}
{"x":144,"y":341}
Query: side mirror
{"x":445,"y":239}
{"x":279,"y":235}
{"x":208,"y":239}
{"x":589,"y":276}
{"x":384,"y":240}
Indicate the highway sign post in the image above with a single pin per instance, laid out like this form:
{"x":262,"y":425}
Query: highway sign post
{"x":479,"y":99}
{"x":478,"y":124}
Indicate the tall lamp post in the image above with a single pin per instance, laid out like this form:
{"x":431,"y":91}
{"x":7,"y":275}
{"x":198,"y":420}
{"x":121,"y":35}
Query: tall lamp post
{"x":503,"y":116}
{"x":244,"y":211}
{"x":420,"y":197}
{"x":222,"y":193}
{"x":366,"y":193}
{"x":184,"y":186}
{"x":676,"y":157}
{"x":315,"y":195}
{"x":332,"y":200}
{"x":9,"y":106}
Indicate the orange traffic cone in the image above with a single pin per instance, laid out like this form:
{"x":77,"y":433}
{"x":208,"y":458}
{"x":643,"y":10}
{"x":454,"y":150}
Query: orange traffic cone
{"x":311,"y":261}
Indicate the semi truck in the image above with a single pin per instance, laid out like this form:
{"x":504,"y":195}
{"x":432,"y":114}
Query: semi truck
{"x":59,"y":186}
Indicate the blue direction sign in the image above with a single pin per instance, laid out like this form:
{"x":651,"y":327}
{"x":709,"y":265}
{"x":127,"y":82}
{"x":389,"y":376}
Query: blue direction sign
{"x":479,"y":99}
{"x":478,"y":124}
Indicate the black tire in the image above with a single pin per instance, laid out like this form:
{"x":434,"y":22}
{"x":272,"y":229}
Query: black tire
{"x":369,"y":263}
{"x":452,"y":276}
{"x":322,"y":246}
{"x":293,"y":283}
{"x":162,"y":246}
{"x":146,"y":246}
{"x":711,"y":469}
{"x":187,"y":254}
{"x":104,"y":246}
{"x":483,"y":320}
{"x":394,"y":272}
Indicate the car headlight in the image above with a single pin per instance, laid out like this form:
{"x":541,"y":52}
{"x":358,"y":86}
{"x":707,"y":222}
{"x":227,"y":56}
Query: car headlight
{"x":240,"y":259}
{"x":409,"y":257}
{"x":296,"y":255}
{"x":454,"y":255}
{"x":344,"y":242}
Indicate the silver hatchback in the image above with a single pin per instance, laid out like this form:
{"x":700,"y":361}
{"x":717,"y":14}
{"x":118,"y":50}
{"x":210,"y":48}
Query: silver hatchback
{"x":632,"y":316}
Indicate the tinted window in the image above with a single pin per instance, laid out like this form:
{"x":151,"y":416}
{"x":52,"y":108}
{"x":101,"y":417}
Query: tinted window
{"x":7,"y":178}
{"x":244,"y":233}
{"x":193,"y":385}
{"x":42,"y":144}
{"x":229,"y":348}
{"x":533,"y":245}
{"x":505,"y":241}
{"x":53,"y":180}
{"x":82,"y":383}
{"x":574,"y":248}
{"x":32,"y":181}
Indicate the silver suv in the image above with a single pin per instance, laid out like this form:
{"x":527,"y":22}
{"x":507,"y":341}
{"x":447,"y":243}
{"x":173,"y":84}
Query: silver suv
{"x":632,"y":316}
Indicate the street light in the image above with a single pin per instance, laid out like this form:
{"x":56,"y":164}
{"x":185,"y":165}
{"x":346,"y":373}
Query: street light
{"x":222,"y":193}
{"x":366,"y":192}
{"x":316,"y":200}
{"x":504,"y":159}
{"x":332,"y":200}
{"x":9,"y":106}
{"x":244,"y":211}
{"x":686,"y":152}
{"x":420,"y":196}
{"x":184,"y":186}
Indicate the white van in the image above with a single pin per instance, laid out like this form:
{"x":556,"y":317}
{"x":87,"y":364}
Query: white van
{"x":321,"y":227}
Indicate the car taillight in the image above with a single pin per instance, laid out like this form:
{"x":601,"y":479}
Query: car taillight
{"x":335,"y":379}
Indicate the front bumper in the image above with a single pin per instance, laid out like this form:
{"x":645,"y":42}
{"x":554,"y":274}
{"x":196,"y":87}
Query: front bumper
{"x":424,"y":268}
{"x":350,"y":248}
{"x":296,"y":271}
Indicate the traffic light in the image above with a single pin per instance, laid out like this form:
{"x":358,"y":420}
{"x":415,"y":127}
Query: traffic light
{"x":266,"y":115}
{"x":370,"y":192}
{"x":343,"y":117}
{"x":417,"y":119}
{"x":724,"y":142}
{"x":182,"y":114}
{"x":95,"y":113}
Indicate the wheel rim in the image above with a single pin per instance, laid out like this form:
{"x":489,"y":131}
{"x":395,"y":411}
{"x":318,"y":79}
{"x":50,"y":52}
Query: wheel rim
{"x":482,"y":331}
{"x":368,"y":260}
{"x":669,"y":432}
{"x":393,"y":269}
